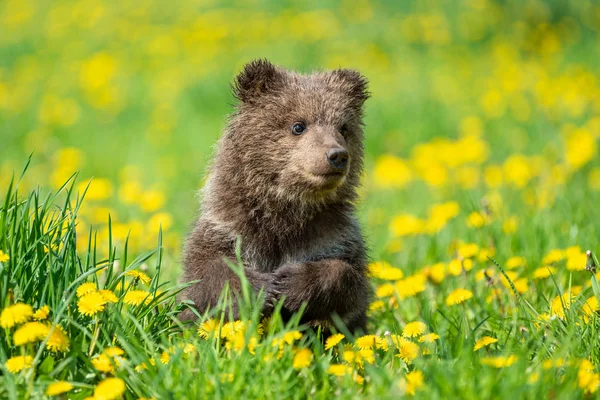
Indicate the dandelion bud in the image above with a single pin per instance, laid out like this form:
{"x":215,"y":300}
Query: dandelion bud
{"x":590,"y":264}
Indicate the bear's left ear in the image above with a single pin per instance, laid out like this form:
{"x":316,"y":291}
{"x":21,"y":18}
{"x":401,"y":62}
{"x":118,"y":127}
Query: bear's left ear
{"x":258,"y":77}
{"x":354,"y":84}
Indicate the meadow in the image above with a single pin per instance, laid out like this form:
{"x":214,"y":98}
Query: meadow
{"x":480,"y":198}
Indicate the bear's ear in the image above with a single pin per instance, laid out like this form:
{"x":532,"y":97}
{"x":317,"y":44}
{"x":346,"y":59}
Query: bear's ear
{"x":258,"y":77}
{"x":354,"y":84}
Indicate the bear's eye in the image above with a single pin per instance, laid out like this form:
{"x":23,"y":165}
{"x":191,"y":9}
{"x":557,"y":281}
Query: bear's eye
{"x":344,"y":130}
{"x":298,"y":128}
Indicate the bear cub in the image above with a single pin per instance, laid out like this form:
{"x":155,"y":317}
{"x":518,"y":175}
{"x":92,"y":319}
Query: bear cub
{"x":284,"y":181}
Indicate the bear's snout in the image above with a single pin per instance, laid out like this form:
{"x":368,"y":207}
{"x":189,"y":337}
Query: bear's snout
{"x":338,"y":158}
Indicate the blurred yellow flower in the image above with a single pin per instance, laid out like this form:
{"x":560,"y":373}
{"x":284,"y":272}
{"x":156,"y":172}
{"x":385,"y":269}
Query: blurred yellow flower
{"x":406,"y":224}
{"x":560,"y":304}
{"x":414,"y":329}
{"x":152,"y":200}
{"x":499,"y":362}
{"x":411,"y":285}
{"x":137,"y":297}
{"x":383,"y":270}
{"x":391,"y":172}
{"x":15,"y":314}
{"x":580,"y":148}
{"x":477,"y":220}
{"x":414,"y":381}
{"x":333,"y":340}
{"x":98,"y":189}
{"x":59,"y":387}
{"x":208,"y":328}
{"x":339,"y":370}
{"x":18,"y":363}
{"x":302,"y":358}
{"x":109,"y":389}
{"x":544,"y":272}
{"x":4,"y":257}
{"x":458,"y":296}
{"x":510,"y":225}
{"x":483,"y":342}
{"x":429,"y":338}
{"x":515,"y":262}
{"x":30,"y":332}
{"x":587,"y":379}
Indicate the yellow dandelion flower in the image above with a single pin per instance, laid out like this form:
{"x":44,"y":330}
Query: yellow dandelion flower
{"x":385,"y":290}
{"x":406,"y":225}
{"x":30,"y":332}
{"x":411,"y":285}
{"x":429,"y":338}
{"x":91,"y":303}
{"x":560,"y":304}
{"x":589,"y":309}
{"x":333,"y":340}
{"x":15,"y":314}
{"x":484,"y":341}
{"x":142,"y":277}
{"x":86,"y":288}
{"x":108,"y":296}
{"x":58,"y":339}
{"x":391,"y":171}
{"x":339,"y":370}
{"x":291,"y":336}
{"x":467,"y":250}
{"x":477,"y":220}
{"x":302,"y":359}
{"x":515,"y":262}
{"x":114,"y":351}
{"x":42,"y":313}
{"x":189,"y":348}
{"x":576,"y":261}
{"x":436,"y":272}
{"x":230,"y":329}
{"x":366,"y":342}
{"x":108,"y":389}
{"x":414,"y":381}
{"x":383,"y":270}
{"x":407,"y":350}
{"x":137,"y":297}
{"x":4,"y":257}
{"x":18,"y":363}
{"x":208,"y":328}
{"x":553,"y":257}
{"x":414,"y":329}
{"x":165,"y":357}
{"x":377,"y":305}
{"x":458,"y":296}
{"x":59,"y":387}
{"x":544,"y":272}
{"x":103,"y":363}
{"x":499,"y":362}
{"x":587,"y":379}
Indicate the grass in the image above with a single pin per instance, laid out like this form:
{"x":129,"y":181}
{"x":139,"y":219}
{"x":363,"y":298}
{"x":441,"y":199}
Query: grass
{"x":482,"y":180}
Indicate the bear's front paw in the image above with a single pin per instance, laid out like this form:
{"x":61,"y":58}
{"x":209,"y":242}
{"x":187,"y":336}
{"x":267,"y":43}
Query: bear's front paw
{"x":294,"y":283}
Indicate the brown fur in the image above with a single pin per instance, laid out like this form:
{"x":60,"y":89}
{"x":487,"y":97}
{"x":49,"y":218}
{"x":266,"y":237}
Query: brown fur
{"x":300,"y":238}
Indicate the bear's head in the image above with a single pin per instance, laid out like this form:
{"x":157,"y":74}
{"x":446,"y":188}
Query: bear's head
{"x":295,"y":137}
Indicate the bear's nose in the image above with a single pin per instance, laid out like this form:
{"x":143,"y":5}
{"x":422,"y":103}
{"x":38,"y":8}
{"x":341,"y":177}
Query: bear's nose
{"x":338,"y":158}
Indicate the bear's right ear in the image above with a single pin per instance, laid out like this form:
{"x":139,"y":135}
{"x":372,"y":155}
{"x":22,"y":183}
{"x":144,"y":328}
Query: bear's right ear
{"x":258,"y":77}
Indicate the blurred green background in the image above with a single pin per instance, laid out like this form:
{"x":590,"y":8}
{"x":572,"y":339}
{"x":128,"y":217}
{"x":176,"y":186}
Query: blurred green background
{"x":489,"y":108}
